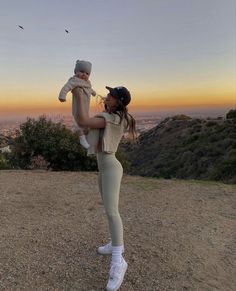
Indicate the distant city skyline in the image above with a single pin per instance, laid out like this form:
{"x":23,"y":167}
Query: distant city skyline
{"x":195,"y":112}
{"x":144,"y":120}
{"x":172,"y":55}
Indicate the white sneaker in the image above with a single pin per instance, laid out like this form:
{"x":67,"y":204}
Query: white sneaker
{"x":106,"y":249}
{"x":116,"y":275}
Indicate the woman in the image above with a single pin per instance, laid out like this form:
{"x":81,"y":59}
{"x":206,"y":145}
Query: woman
{"x":106,"y":131}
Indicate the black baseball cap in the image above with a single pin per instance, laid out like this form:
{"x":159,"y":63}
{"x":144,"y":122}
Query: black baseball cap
{"x":120,"y":93}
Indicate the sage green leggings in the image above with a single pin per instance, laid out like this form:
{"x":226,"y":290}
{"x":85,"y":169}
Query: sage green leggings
{"x":109,"y":179}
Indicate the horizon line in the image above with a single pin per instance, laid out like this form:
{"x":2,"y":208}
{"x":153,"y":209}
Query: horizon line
{"x":199,"y":110}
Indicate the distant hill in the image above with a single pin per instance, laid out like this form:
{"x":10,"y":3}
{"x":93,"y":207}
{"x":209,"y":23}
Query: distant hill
{"x":178,"y":147}
{"x":186,"y":148}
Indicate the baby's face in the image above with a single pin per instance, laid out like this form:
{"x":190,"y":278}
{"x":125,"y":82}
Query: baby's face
{"x":83,"y":75}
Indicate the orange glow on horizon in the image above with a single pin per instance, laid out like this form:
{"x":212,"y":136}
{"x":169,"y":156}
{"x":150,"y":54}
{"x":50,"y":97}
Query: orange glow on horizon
{"x":23,"y":103}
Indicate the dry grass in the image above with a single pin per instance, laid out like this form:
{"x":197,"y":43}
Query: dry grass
{"x":179,"y":235}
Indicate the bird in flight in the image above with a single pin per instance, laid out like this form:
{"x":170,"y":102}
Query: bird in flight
{"x":66,"y":31}
{"x":21,"y":26}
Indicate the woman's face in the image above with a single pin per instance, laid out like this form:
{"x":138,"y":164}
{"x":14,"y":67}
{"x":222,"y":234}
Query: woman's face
{"x":111,"y":102}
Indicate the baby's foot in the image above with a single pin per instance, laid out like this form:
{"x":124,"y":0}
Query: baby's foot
{"x":83,"y":141}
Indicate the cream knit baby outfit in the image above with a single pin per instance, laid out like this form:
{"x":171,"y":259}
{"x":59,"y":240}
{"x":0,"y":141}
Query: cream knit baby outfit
{"x":86,"y":92}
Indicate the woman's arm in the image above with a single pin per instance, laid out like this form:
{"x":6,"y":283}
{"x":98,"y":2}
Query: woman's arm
{"x":83,"y":119}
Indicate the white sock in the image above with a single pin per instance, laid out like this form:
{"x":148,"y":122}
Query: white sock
{"x":83,"y":141}
{"x":117,"y":254}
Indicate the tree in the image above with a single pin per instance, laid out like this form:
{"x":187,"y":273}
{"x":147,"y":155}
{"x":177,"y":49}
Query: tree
{"x":58,"y":146}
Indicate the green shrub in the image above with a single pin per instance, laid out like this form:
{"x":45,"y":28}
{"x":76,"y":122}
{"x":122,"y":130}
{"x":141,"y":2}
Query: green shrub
{"x":122,"y":157}
{"x":4,"y":162}
{"x":225,"y":170}
{"x":57,"y":145}
{"x":196,"y":149}
{"x":211,"y":123}
{"x":181,"y":117}
{"x":231,"y":114}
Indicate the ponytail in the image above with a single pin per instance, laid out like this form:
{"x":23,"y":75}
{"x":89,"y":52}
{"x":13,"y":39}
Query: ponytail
{"x":122,"y":111}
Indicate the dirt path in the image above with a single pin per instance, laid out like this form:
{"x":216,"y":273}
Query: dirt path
{"x":179,"y":235}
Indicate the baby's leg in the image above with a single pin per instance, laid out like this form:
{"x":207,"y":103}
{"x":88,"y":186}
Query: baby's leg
{"x":81,"y":132}
{"x":82,"y":138}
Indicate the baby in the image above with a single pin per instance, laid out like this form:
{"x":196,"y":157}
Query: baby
{"x":80,"y":79}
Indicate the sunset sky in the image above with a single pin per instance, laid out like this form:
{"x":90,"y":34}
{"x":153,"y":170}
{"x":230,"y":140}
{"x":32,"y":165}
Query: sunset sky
{"x":169,"y":53}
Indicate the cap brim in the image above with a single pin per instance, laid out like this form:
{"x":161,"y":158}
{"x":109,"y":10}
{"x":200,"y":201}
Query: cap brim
{"x":109,"y":88}
{"x":112,"y":91}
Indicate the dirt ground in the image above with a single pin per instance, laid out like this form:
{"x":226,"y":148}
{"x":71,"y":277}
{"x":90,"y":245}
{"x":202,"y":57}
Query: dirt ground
{"x":179,"y":235}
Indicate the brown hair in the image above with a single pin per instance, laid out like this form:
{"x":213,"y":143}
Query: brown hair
{"x":122,"y":111}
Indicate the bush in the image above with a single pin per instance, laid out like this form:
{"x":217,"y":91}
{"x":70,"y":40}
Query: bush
{"x":225,"y":170}
{"x":56,"y":146}
{"x":121,"y":156}
{"x":38,"y":162}
{"x":4,"y":162}
{"x":231,"y":114}
{"x":211,"y":123}
{"x":197,"y":149}
{"x":181,"y":117}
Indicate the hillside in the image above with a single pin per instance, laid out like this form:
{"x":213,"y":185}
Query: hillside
{"x":186,"y":148}
{"x":179,"y":235}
